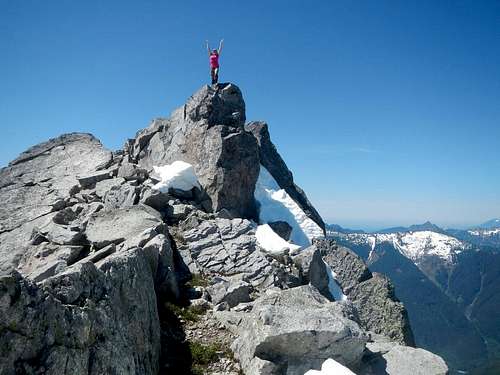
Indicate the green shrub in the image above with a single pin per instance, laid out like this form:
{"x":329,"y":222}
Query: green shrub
{"x":189,"y":313}
{"x":197,"y":279}
{"x":204,"y":354}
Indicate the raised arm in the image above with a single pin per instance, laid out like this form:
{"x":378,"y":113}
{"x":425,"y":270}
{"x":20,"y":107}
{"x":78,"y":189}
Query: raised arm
{"x":220,"y":46}
{"x":208,"y":48}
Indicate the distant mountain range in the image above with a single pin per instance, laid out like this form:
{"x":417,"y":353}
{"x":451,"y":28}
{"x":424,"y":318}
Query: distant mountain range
{"x":490,"y":224}
{"x":448,"y":279}
{"x":485,"y":235}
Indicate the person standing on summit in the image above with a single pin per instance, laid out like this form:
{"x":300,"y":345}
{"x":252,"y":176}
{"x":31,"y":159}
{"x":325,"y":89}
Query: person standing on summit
{"x":213,"y":56}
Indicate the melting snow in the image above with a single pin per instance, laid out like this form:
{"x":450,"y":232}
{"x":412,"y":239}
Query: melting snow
{"x":333,"y":286}
{"x":178,"y":175}
{"x":277,"y":205}
{"x":272,"y":242}
{"x":331,"y":367}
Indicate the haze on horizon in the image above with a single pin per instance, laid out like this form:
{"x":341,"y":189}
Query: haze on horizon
{"x":386,"y":112}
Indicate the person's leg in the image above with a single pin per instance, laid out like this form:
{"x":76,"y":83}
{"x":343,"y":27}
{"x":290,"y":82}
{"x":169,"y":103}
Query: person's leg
{"x":212,"y":74}
{"x":216,"y":75}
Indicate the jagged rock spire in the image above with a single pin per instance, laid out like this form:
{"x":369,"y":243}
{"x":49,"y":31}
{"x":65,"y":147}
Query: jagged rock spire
{"x":207,"y":132}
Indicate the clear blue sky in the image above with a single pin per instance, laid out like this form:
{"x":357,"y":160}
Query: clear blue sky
{"x":387,"y":112}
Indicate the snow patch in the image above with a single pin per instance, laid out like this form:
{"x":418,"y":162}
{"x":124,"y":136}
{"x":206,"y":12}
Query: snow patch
{"x":178,"y":175}
{"x":372,"y":241}
{"x":277,"y":205}
{"x":272,"y":242}
{"x":331,"y":367}
{"x":333,"y":285}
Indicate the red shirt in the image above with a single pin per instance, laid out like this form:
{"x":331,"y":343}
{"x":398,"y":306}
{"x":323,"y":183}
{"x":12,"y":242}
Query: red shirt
{"x":214,"y":60}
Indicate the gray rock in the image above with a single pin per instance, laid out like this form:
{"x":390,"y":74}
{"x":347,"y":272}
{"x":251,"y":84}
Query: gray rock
{"x":160,"y":254}
{"x":89,"y":180}
{"x":379,"y":310}
{"x":106,"y":227}
{"x":102,"y":187}
{"x":393,"y":359}
{"x":100,"y":254}
{"x":66,"y":215}
{"x":350,"y":268}
{"x":224,"y":247}
{"x":120,"y":196}
{"x":233,"y":291}
{"x":47,"y":259}
{"x":155,"y":198}
{"x":296,"y":330}
{"x":281,"y":228}
{"x":63,"y":234}
{"x":313,"y":270}
{"x":130,"y":171}
{"x":372,"y":294}
{"x":272,"y":161}
{"x":179,"y":211}
{"x":208,"y":132}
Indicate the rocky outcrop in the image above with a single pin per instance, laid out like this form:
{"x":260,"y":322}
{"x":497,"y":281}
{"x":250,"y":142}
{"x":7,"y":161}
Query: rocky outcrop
{"x":38,"y":183}
{"x":207,"y":132}
{"x":373,"y":294}
{"x":79,"y":266}
{"x":272,"y":161}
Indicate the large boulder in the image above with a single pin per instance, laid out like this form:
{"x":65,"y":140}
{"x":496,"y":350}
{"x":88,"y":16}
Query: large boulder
{"x":292,"y":331}
{"x":272,"y":161}
{"x":392,"y":359}
{"x":207,"y":132}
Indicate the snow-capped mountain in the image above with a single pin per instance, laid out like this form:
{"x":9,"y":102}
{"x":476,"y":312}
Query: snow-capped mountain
{"x":413,"y":245}
{"x":484,"y":235}
{"x":449,"y":280}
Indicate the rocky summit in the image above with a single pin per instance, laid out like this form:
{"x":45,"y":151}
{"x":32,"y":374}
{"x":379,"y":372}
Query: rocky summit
{"x":158,"y":259}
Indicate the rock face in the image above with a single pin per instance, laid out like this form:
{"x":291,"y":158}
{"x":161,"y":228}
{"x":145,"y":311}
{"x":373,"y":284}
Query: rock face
{"x":73,"y":323}
{"x":38,"y":183}
{"x":273,"y":162}
{"x":92,"y":255}
{"x":207,"y":132}
{"x":372,"y":294}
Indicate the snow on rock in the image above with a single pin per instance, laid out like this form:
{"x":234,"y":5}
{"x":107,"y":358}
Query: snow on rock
{"x":271,"y":242}
{"x":333,"y":285}
{"x":178,"y":175}
{"x":331,"y":367}
{"x":277,"y":205}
